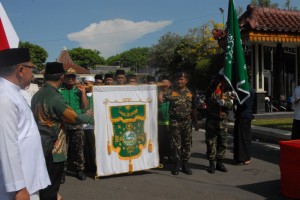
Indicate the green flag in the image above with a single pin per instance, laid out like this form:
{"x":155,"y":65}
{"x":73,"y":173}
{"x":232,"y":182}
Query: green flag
{"x":235,"y":71}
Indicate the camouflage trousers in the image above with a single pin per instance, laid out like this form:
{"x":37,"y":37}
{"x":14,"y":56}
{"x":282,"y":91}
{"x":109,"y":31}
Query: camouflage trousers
{"x":180,"y":139}
{"x":216,"y":138}
{"x":76,"y":142}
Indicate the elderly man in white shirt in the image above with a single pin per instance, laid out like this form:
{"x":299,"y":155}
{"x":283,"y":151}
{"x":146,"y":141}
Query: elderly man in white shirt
{"x":296,"y":122}
{"x":23,"y":169}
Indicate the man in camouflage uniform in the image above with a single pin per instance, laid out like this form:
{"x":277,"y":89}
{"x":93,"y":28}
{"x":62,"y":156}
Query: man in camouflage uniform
{"x":51,"y":113}
{"x":76,"y":98}
{"x":180,"y":110}
{"x":218,"y":105}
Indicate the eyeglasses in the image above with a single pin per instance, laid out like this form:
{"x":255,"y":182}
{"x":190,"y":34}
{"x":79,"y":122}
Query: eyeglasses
{"x":29,"y":66}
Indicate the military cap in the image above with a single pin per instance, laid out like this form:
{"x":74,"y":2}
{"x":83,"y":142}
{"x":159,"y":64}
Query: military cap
{"x":70,"y":71}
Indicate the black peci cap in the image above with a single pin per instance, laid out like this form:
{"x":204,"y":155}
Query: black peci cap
{"x":11,"y":57}
{"x":54,"y":68}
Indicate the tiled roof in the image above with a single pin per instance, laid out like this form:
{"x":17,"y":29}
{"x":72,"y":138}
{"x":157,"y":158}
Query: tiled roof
{"x":270,"y":20}
{"x":66,"y":59}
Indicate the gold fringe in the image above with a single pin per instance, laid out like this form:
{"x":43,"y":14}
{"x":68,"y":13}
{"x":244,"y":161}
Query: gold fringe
{"x":108,"y":147}
{"x":130,"y":167}
{"x":150,"y":146}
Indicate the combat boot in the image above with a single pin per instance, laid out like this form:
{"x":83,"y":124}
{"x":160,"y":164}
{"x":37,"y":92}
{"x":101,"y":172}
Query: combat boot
{"x":81,"y":175}
{"x":175,"y":170}
{"x":212,"y":167}
{"x":185,"y":167}
{"x":220,"y":166}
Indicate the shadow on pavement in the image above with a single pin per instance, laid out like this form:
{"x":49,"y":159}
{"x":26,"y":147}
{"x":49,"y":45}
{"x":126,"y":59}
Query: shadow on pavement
{"x":264,"y":188}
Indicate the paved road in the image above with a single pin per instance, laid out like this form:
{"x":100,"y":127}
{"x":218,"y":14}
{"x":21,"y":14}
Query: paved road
{"x":259,"y":180}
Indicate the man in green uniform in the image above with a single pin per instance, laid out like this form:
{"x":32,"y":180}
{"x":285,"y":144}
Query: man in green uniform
{"x":76,"y":98}
{"x":218,"y":102}
{"x":51,"y":113}
{"x":180,"y":110}
{"x":164,"y":121}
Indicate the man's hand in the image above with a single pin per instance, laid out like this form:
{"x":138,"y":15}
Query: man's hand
{"x":90,"y":112}
{"x":221,"y":102}
{"x":81,"y":88}
{"x":22,"y":195}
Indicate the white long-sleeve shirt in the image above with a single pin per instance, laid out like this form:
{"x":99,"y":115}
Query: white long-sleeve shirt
{"x":295,"y":97}
{"x":22,"y":162}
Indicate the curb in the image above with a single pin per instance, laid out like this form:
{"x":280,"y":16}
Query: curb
{"x":269,"y":134}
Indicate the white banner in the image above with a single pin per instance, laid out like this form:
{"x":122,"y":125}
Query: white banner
{"x":125,"y":128}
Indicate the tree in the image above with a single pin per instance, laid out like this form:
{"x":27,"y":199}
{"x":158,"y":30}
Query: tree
{"x":195,"y":52}
{"x":113,"y":60}
{"x":263,"y":3}
{"x":288,"y":6}
{"x":38,"y":55}
{"x":161,"y":54}
{"x":135,"y":58}
{"x":86,"y":58}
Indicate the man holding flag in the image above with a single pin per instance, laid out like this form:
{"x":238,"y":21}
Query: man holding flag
{"x":235,"y":72}
{"x":219,"y":102}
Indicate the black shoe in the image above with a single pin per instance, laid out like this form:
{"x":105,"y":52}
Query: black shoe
{"x":185,"y":168}
{"x":212,"y":167}
{"x":175,"y":170}
{"x":81,"y":175}
{"x":221,"y":167}
{"x":63,"y":179}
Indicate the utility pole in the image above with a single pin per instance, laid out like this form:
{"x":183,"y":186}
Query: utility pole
{"x":222,"y":11}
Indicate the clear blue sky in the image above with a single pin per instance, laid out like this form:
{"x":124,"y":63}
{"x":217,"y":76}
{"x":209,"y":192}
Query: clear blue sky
{"x":110,"y":26}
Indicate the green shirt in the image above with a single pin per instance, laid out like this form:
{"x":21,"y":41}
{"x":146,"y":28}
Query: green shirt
{"x":73,"y":98}
{"x":163,"y":111}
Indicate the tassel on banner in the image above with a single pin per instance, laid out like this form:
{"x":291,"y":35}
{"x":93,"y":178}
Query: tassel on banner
{"x":108,"y":147}
{"x":130,"y":167}
{"x":150,"y":146}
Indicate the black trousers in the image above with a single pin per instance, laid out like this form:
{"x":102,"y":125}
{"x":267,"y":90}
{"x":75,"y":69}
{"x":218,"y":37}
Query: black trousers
{"x":163,"y":141}
{"x":296,"y":130}
{"x":242,"y":140}
{"x":55,"y":171}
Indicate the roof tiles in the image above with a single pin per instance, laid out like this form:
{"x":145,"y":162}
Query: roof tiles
{"x":66,"y":59}
{"x":270,"y":20}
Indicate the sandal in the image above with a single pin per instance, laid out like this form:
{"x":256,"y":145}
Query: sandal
{"x":247,"y":162}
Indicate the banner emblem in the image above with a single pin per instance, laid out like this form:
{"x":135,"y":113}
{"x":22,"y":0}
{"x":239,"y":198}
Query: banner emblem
{"x":129,"y":137}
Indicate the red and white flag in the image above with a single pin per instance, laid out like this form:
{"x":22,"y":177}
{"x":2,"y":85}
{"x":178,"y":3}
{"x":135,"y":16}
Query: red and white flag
{"x":8,"y":35}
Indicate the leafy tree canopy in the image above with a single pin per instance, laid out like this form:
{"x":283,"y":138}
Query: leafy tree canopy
{"x":38,"y":55}
{"x":161,"y":54}
{"x":86,"y":58}
{"x":133,"y":58}
{"x":263,"y":3}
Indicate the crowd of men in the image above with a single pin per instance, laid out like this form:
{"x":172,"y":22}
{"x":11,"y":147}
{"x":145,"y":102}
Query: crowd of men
{"x":45,"y":134}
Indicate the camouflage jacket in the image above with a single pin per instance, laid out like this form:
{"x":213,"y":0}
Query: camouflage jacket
{"x":52,"y":112}
{"x":180,"y":104}
{"x":214,"y":110}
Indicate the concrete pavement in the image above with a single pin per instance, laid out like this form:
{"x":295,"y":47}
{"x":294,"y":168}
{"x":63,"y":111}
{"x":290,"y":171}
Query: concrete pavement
{"x":257,"y":181}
